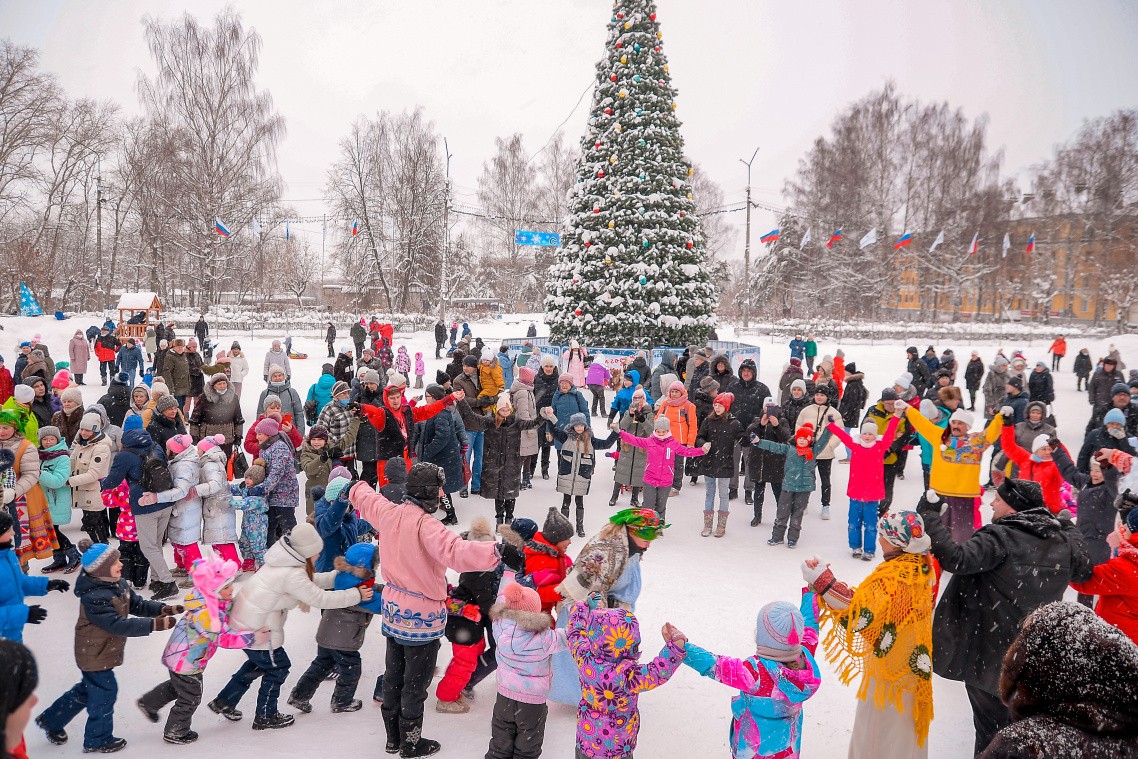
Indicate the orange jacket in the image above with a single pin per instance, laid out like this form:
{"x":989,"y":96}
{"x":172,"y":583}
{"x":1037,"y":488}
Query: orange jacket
{"x":1059,"y":347}
{"x":1046,"y":473}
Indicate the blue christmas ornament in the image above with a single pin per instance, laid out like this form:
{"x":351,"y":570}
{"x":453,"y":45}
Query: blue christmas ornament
{"x":644,"y":280}
{"x":645,"y":243}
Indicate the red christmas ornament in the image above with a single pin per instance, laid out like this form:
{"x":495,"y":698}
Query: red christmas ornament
{"x":613,"y":77}
{"x":657,"y":48}
{"x":620,"y":44}
{"x":608,"y":112}
{"x":690,"y":244}
{"x":588,"y":243}
{"x":596,"y":210}
{"x":620,"y":15}
{"x":652,"y":16}
{"x":681,"y":214}
{"x":577,"y":312}
{"x":600,"y":174}
{"x":574,"y":281}
{"x":597,"y":146}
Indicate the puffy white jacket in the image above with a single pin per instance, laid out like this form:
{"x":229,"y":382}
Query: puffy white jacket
{"x":90,"y":463}
{"x":213,"y":490}
{"x":186,"y":516}
{"x":282,"y":584}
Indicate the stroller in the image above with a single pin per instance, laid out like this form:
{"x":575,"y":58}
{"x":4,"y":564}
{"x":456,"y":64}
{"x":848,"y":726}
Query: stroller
{"x":207,"y":350}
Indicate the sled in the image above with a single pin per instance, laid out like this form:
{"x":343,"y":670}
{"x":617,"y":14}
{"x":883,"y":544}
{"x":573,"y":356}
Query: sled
{"x":59,"y":315}
{"x":297,"y":355}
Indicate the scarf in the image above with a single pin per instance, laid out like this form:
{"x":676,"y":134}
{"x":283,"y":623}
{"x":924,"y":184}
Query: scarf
{"x":681,"y":401}
{"x":886,"y":635}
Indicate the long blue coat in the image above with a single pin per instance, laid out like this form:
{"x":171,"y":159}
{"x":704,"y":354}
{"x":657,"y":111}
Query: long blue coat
{"x":14,"y":586}
{"x":439,"y":445}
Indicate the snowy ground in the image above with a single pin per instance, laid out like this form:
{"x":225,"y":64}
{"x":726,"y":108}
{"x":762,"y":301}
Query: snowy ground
{"x":708,"y":588}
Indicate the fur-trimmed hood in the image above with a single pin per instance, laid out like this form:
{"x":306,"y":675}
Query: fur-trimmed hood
{"x":530,"y":621}
{"x":7,"y":459}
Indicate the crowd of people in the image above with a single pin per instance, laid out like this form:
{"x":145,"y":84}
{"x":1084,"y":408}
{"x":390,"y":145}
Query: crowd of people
{"x":178,"y":496}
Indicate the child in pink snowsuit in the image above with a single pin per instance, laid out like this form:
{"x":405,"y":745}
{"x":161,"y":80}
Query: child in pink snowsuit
{"x":605,"y":644}
{"x":660,"y":470}
{"x":420,"y":370}
{"x":866,"y":488}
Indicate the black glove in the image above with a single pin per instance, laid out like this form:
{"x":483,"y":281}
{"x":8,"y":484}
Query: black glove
{"x":354,"y":408}
{"x":336,"y":453}
{"x":512,"y":556}
{"x":168,"y":610}
{"x":325,"y":454}
{"x":61,"y":585}
{"x":36,"y":614}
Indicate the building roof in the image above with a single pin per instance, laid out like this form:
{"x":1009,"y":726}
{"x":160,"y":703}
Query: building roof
{"x":138,"y":301}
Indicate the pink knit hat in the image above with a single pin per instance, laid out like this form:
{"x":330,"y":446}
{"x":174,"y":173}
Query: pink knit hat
{"x":521,"y":598}
{"x":566,"y":378}
{"x":268,"y":426}
{"x":62,"y":380}
{"x":212,"y":441}
{"x":526,"y":375}
{"x":179,"y":443}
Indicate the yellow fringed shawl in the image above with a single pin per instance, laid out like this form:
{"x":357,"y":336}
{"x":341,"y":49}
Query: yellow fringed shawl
{"x":886,"y":635}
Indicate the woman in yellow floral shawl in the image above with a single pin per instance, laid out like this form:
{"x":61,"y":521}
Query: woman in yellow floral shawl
{"x":882,"y":630}
{"x":23,"y":497}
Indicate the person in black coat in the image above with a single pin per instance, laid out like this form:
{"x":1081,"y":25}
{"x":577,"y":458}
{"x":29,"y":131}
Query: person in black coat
{"x":1083,"y":367}
{"x":1024,"y":559}
{"x":1097,"y":513}
{"x":765,"y":467}
{"x":724,"y":432}
{"x":1070,"y":681}
{"x":544,"y":386}
{"x":116,"y":401}
{"x":917,"y":367}
{"x":1119,"y":399}
{"x":1111,"y":434}
{"x":330,"y":338}
{"x":438,"y":440}
{"x":164,"y":424}
{"x":1040,"y":385}
{"x":942,"y":378}
{"x":749,"y":394}
{"x":454,"y":368}
{"x":342,"y":369}
{"x":440,"y":337}
{"x":973,"y":376}
{"x":854,"y":397}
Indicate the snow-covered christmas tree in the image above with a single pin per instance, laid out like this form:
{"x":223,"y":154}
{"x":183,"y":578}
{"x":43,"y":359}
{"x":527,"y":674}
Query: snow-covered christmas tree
{"x":630,"y":270}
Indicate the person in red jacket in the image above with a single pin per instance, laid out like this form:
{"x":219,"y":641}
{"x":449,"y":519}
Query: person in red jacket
{"x":547,"y":564}
{"x":1116,"y":581}
{"x":394,"y":439}
{"x":1057,"y":350}
{"x":1036,"y":466}
{"x":6,"y":385}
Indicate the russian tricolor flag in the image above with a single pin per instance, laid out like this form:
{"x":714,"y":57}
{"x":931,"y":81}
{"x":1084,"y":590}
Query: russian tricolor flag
{"x":834,"y":238}
{"x":770,"y":236}
{"x":355,"y":227}
{"x":221,"y":228}
{"x":974,"y":248}
{"x":904,"y":240}
{"x":1031,"y":243}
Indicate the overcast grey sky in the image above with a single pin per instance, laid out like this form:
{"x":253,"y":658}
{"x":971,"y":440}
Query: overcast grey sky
{"x":749,"y":73}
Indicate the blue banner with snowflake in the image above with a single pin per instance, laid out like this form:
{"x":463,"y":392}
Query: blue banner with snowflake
{"x":29,"y":306}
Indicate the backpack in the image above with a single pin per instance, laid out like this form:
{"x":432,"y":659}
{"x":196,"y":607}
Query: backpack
{"x":156,"y":475}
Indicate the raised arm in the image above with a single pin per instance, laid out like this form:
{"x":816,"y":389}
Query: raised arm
{"x":633,"y":440}
{"x":841,"y":434}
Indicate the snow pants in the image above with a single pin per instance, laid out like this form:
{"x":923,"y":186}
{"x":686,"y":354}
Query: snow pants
{"x":517,"y":730}
{"x":347,"y":663}
{"x":272,"y":667}
{"x":464,"y":660}
{"x":186,"y":693}
{"x":96,"y":693}
{"x":407,"y":678}
{"x":788,"y":519}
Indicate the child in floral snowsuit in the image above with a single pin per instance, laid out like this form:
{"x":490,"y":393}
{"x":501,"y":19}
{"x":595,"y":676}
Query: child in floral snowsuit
{"x":248,"y":497}
{"x":403,"y":363}
{"x":135,"y":566}
{"x":605,"y":644}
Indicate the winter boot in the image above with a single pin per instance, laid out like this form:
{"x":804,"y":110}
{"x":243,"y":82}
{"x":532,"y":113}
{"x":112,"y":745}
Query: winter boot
{"x":721,"y":524}
{"x":75,"y":560}
{"x":758,"y":519}
{"x":565,"y":510}
{"x":164,"y":590}
{"x":615,"y":494}
{"x":748,"y":497}
{"x":414,"y":744}
{"x":635,"y":502}
{"x":458,"y":706}
{"x":707,"y":516}
{"x":273,"y":721}
{"x":351,"y":705}
{"x":732,"y":494}
{"x":58,"y":562}
{"x":54,"y":737}
{"x":225,"y":710}
{"x":451,"y":517}
{"x":580,"y":521}
{"x":391,"y":726}
{"x":510,"y":510}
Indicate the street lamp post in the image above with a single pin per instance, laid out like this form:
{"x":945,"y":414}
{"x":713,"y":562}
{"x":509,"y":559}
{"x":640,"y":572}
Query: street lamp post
{"x":747,"y":248}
